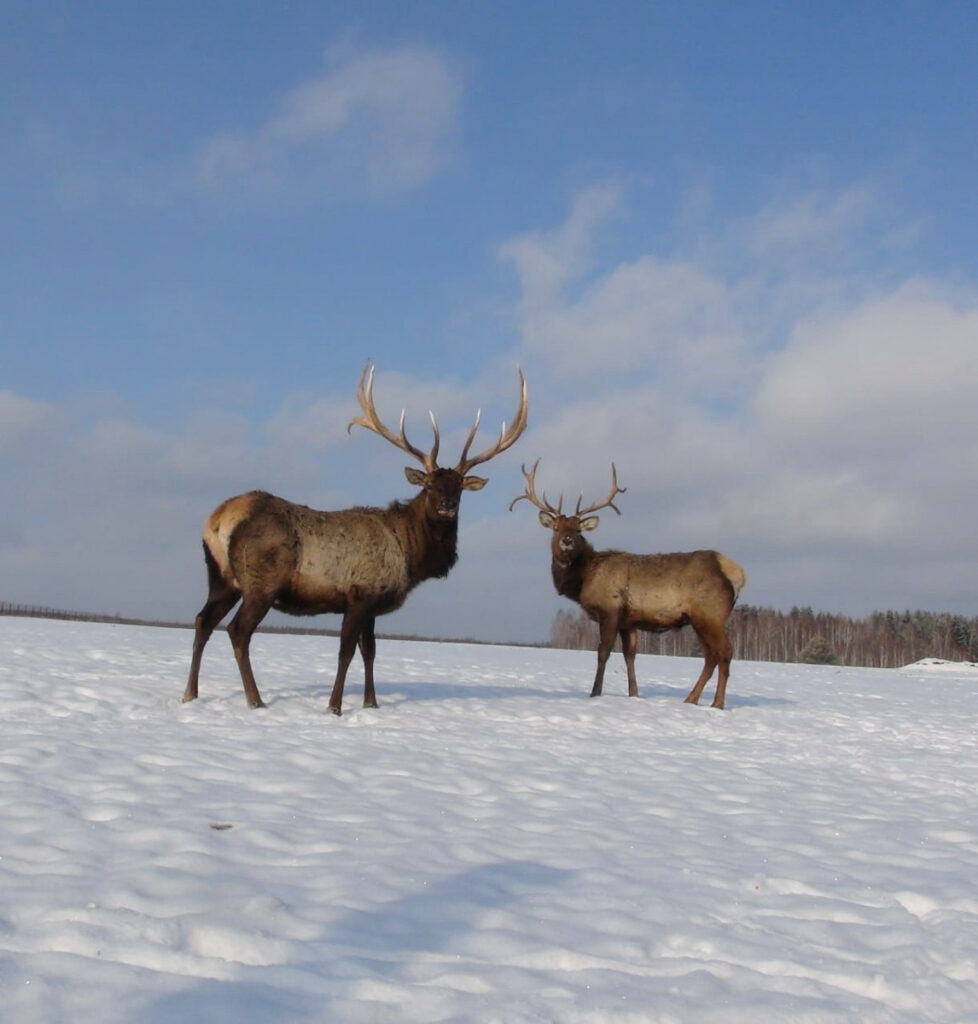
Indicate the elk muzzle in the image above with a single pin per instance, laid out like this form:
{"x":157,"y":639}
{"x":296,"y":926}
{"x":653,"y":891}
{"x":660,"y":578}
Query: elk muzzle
{"x":447,"y":508}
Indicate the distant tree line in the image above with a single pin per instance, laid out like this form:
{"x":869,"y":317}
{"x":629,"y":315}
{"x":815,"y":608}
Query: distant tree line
{"x":34,"y":611}
{"x":883,"y":639}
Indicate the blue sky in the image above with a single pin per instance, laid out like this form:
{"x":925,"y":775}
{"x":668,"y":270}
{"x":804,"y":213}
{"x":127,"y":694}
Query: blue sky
{"x":731,"y":245}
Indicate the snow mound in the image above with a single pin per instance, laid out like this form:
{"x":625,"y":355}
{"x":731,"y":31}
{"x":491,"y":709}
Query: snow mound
{"x":942,"y":665}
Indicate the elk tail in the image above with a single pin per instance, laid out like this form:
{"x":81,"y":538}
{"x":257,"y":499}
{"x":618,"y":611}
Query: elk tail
{"x":734,"y":573}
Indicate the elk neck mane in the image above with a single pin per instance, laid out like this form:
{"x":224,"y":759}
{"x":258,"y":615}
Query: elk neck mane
{"x":430,"y":545}
{"x":568,"y":576}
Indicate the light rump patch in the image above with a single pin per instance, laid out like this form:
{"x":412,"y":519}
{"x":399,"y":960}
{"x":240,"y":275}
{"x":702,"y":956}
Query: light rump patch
{"x":220,"y":526}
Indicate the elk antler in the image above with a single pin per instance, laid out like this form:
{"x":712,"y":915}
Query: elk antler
{"x":365,"y":398}
{"x":608,"y":502}
{"x":531,"y":495}
{"x":507,"y":438}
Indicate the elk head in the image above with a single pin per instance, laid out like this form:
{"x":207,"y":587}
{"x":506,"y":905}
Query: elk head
{"x":568,"y":542}
{"x":442,"y":487}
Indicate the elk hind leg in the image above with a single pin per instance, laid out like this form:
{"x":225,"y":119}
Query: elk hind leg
{"x":253,"y":609}
{"x":724,"y":654}
{"x":629,"y":646}
{"x":220,"y":601}
{"x":716,"y":651}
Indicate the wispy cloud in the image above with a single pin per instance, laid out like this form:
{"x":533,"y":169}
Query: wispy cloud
{"x":384,"y":118}
{"x":660,"y":312}
{"x":546,"y":261}
{"x":817,"y":217}
{"x":22,"y":417}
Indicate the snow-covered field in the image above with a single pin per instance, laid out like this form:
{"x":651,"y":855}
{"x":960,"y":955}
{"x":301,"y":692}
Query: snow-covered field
{"x":488,"y":845}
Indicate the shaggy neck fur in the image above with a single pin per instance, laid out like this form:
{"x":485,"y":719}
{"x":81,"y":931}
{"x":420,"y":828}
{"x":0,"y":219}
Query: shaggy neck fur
{"x":568,"y":574}
{"x":430,"y":544}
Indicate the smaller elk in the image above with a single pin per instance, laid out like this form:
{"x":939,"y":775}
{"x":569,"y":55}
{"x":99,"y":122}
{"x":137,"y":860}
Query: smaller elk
{"x":624,"y":593}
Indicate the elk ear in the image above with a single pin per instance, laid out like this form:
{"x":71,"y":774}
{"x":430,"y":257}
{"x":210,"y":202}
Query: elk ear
{"x":415,"y":476}
{"x":548,"y":520}
{"x":474,"y":483}
{"x":590,"y":523}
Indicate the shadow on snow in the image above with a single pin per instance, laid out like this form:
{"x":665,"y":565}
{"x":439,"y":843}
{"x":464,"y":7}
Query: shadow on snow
{"x":385,"y":941}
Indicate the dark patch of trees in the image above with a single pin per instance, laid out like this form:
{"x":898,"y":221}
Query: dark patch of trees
{"x":881,"y":640}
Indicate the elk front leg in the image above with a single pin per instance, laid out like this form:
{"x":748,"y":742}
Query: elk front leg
{"x":629,"y":645}
{"x":605,"y":644}
{"x":368,"y":649}
{"x":349,"y":636}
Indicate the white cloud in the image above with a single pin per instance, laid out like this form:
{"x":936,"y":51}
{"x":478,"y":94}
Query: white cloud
{"x":807,"y":418}
{"x":816,"y":218}
{"x":655,"y":316}
{"x":547,"y":261}
{"x":383,"y":117}
{"x":22,"y":418}
{"x":894,"y":370}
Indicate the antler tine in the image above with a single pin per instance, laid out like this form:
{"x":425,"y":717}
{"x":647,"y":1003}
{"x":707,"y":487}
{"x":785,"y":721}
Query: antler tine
{"x":470,"y":439}
{"x":608,"y":502}
{"x":507,"y":438}
{"x":433,"y":457}
{"x":371,"y":420}
{"x":531,"y":495}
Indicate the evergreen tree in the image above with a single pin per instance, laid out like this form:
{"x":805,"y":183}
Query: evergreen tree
{"x":818,"y":651}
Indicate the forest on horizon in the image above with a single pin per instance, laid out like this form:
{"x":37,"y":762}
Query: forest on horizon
{"x":887,"y":639}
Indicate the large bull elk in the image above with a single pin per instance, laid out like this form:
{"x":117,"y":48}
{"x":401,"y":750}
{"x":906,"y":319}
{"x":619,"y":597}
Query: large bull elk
{"x":624,"y":593}
{"x":359,"y":562}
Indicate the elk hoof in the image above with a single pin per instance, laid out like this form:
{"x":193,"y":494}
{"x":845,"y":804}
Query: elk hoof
{"x":257,"y":703}
{"x":335,"y":711}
